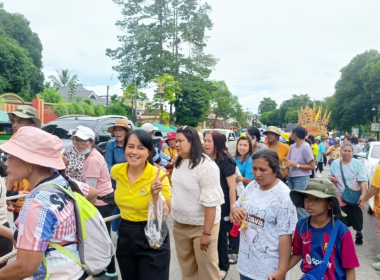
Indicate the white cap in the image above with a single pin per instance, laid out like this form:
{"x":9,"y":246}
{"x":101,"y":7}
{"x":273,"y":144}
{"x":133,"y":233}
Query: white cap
{"x":73,"y":130}
{"x":148,"y":127}
{"x":342,"y":137}
{"x":84,"y":133}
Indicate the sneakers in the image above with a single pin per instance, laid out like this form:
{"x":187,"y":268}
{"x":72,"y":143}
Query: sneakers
{"x":319,"y":176}
{"x":114,"y":274}
{"x":359,"y":239}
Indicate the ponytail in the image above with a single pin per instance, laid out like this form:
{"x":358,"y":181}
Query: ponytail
{"x":70,"y":181}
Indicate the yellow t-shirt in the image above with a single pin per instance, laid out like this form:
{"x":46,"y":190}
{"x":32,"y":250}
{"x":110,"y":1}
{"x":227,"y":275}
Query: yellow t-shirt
{"x":133,"y":200}
{"x":315,"y":149}
{"x":174,"y":152}
{"x":282,"y":150}
{"x":376,"y":183}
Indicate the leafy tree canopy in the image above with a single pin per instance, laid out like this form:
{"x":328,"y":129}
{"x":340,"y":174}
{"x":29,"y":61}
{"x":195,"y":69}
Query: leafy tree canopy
{"x":50,"y":95}
{"x":193,"y":101}
{"x":16,"y":27}
{"x":267,"y":105}
{"x":163,"y":36}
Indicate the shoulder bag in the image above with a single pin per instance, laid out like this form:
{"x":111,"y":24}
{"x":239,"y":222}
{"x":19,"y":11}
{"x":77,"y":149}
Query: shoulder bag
{"x":318,"y":273}
{"x":349,"y":196}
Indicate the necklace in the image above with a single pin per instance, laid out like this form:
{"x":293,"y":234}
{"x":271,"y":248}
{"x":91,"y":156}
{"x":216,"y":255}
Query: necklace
{"x":42,"y":177}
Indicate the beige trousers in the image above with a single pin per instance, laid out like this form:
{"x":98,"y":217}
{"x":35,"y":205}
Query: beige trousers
{"x":196,"y":264}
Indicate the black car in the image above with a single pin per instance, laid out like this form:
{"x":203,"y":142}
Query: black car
{"x":61,"y":127}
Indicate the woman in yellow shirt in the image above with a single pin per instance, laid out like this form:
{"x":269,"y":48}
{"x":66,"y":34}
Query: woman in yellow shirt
{"x":171,"y":152}
{"x":137,"y":182}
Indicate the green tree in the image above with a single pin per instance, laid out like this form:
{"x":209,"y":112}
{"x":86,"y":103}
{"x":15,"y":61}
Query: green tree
{"x":63,"y":79}
{"x":291,"y":116}
{"x":192,"y":102}
{"x":237,"y":112}
{"x":50,"y":95}
{"x":116,"y":109}
{"x":16,"y":27}
{"x":271,"y":118}
{"x":16,"y":68}
{"x":356,"y":92}
{"x":221,"y":100}
{"x":267,"y":105}
{"x":164,"y":36}
{"x":293,"y":103}
{"x":171,"y":90}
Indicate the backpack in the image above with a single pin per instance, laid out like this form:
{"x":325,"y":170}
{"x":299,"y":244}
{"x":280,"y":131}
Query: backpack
{"x":94,"y":242}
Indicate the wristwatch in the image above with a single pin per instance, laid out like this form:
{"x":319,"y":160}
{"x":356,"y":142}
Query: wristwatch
{"x":298,"y":166}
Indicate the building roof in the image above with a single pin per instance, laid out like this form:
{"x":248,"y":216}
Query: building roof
{"x":84,"y":93}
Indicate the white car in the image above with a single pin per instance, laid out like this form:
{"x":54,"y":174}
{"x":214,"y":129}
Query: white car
{"x":231,"y":139}
{"x":370,"y":157}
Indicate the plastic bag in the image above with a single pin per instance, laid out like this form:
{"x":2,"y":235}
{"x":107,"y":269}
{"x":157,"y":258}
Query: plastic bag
{"x":156,"y":228}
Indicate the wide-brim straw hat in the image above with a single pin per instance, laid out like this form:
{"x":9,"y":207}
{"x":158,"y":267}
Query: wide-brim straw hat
{"x":120,"y":123}
{"x":319,"y":188}
{"x":35,"y":146}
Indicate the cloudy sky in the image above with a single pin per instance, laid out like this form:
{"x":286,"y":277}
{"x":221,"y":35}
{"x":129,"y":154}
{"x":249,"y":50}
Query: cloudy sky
{"x":265,"y":48}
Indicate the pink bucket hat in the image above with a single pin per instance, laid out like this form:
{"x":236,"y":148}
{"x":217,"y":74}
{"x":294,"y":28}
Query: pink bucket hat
{"x":35,"y":146}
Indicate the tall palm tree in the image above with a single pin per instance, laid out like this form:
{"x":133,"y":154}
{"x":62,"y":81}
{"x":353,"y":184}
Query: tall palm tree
{"x":64,"y":79}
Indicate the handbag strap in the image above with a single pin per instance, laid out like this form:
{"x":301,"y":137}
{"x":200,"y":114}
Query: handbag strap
{"x":323,"y":266}
{"x":341,"y":171}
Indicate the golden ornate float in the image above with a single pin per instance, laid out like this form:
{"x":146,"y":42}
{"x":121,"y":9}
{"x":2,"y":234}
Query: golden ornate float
{"x":313,"y":121}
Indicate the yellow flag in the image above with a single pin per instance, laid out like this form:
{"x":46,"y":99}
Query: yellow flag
{"x":318,"y":114}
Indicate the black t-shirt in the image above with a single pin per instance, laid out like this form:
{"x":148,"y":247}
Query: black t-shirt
{"x":227,"y":168}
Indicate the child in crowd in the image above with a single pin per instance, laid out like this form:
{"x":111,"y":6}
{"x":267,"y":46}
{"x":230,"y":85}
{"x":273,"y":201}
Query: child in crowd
{"x":312,"y":234}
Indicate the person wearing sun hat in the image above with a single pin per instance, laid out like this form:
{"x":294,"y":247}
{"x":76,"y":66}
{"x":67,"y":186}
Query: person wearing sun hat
{"x":273,"y":142}
{"x":45,"y":216}
{"x":313,"y":233}
{"x":24,"y":115}
{"x":114,"y":149}
{"x":171,"y":152}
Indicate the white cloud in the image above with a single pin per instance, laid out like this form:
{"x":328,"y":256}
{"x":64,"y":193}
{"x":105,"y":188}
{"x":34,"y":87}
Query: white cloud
{"x":266,"y":48}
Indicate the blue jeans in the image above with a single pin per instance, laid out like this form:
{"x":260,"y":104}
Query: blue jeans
{"x":242,"y":277}
{"x":299,"y":183}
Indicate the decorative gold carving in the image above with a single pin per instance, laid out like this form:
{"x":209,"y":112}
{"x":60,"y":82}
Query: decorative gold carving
{"x":313,"y":121}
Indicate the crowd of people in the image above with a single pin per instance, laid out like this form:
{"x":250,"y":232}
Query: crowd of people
{"x":265,"y":209}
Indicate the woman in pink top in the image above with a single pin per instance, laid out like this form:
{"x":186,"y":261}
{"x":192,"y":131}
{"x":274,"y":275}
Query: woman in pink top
{"x":96,"y":174}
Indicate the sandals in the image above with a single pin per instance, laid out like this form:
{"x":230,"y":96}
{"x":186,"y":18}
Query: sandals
{"x":376,"y":265}
{"x":233,"y":259}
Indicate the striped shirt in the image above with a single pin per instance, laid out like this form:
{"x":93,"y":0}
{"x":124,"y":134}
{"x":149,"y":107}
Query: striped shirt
{"x":48,"y":216}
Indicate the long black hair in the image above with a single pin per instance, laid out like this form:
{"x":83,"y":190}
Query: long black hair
{"x":272,"y":158}
{"x":197,"y":154}
{"x":145,"y":139}
{"x":220,"y":148}
{"x":254,"y":132}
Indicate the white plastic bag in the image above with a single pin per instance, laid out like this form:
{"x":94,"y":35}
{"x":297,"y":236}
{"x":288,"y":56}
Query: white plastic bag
{"x":156,"y":228}
{"x":240,"y":185}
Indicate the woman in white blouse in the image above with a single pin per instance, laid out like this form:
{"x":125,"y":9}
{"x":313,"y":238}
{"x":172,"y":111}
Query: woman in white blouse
{"x":197,"y":196}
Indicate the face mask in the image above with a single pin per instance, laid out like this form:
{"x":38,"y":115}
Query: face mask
{"x":85,"y":152}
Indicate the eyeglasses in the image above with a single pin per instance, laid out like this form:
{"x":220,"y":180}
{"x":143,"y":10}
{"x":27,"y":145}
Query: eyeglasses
{"x":79,"y":141}
{"x":119,"y":130}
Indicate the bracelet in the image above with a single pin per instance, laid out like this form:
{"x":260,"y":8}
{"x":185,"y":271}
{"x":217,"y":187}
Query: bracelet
{"x":207,"y":234}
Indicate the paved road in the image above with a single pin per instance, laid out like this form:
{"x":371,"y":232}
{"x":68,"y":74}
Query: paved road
{"x":366,"y":254}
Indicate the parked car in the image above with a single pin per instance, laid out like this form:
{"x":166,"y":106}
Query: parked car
{"x":61,"y":127}
{"x":370,"y":157}
{"x":230,"y":139}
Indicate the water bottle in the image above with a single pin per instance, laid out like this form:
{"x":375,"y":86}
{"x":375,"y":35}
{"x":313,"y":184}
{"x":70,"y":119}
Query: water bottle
{"x":235,"y":229}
